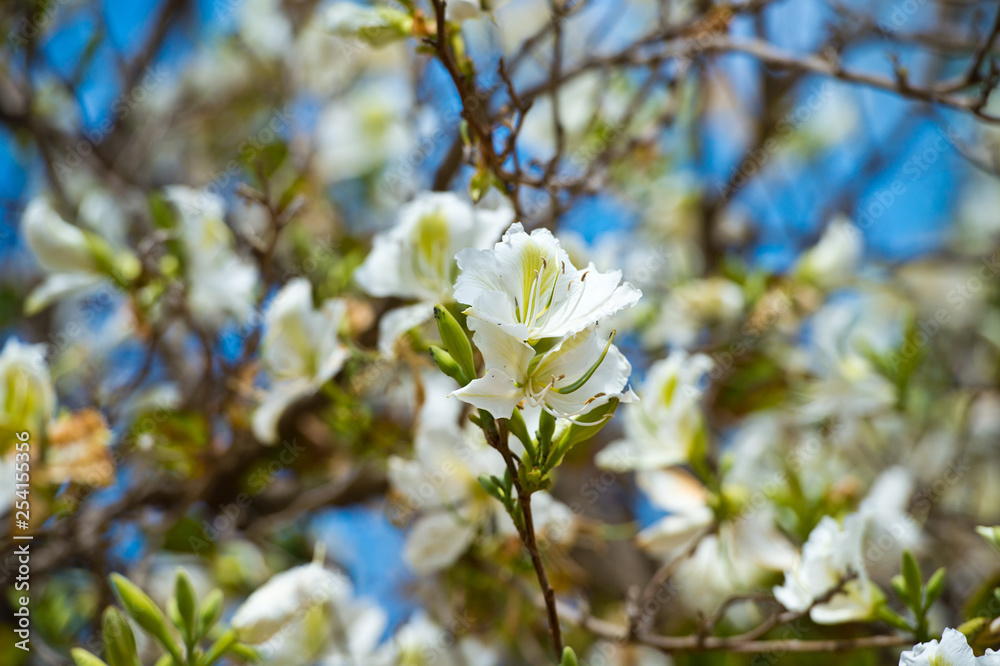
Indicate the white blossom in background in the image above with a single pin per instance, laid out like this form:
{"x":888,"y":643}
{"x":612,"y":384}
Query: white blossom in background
{"x":414,"y":260}
{"x":441,"y":484}
{"x":220,"y":284}
{"x":358,"y":134}
{"x":465,"y":10}
{"x":846,"y":382}
{"x":423,"y":641}
{"x":690,"y":307}
{"x":528,"y":287}
{"x":377,"y":26}
{"x":27,"y":396}
{"x":308,"y":613}
{"x":608,"y":653}
{"x":300,"y":351}
{"x":70,"y":256}
{"x":662,"y":429}
{"x":830,"y":555}
{"x":952,"y":650}
{"x":734,"y":557}
{"x":264,"y":27}
{"x":834,"y":259}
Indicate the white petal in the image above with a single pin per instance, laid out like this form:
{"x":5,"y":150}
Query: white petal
{"x":56,"y":287}
{"x":396,"y":322}
{"x":437,"y":541}
{"x":274,"y":404}
{"x":58,"y":245}
{"x":495,"y":392}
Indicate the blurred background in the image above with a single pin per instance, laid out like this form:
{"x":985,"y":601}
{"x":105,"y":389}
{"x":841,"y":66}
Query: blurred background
{"x":702,"y":148}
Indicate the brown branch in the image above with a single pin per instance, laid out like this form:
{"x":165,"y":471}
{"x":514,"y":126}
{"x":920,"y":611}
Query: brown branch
{"x":498,"y":439}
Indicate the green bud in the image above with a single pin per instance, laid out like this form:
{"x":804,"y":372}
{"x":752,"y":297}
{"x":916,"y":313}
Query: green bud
{"x":518,"y":428}
{"x":934,"y":588}
{"x":455,"y":341}
{"x":84,"y":658}
{"x":974,"y":626}
{"x":568,"y":657}
{"x":187,"y":603}
{"x":165,"y":660}
{"x":991,"y":534}
{"x":447,"y":364}
{"x":210,"y":611}
{"x":220,"y":647}
{"x":479,"y":184}
{"x":913,"y":577}
{"x":492,"y":486}
{"x":119,"y":642}
{"x":899,"y":587}
{"x":146,"y":613}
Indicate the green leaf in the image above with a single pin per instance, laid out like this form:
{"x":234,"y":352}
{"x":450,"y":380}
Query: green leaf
{"x":568,"y":657}
{"x":84,"y":658}
{"x":146,"y":613}
{"x":455,"y":341}
{"x":119,"y":642}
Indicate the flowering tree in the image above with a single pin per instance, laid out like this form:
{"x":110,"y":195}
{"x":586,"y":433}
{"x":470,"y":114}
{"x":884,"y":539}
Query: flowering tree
{"x":480,"y":333}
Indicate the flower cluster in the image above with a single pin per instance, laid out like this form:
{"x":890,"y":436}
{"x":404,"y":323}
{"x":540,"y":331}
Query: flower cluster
{"x":541,"y":325}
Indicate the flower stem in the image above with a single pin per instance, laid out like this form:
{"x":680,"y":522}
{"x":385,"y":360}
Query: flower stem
{"x":527,"y":535}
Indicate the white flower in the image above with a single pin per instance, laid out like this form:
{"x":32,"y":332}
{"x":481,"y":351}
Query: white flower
{"x":220,"y":283}
{"x":692,"y":306}
{"x":422,"y":641}
{"x":27,"y":397}
{"x":831,"y":554}
{"x":65,"y":252}
{"x":580,"y":372}
{"x":614,"y":653}
{"x":287,"y":595}
{"x":661,"y":430}
{"x":300,"y":351}
{"x":280,"y":618}
{"x":265,"y":27}
{"x":377,"y":26}
{"x":463,"y":10}
{"x":953,"y":650}
{"x":833,"y":260}
{"x":528,"y":287}
{"x":358,"y":134}
{"x":441,"y":483}
{"x":735,"y":557}
{"x":687,"y":501}
{"x":415,"y":259}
